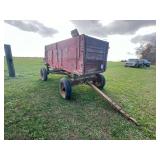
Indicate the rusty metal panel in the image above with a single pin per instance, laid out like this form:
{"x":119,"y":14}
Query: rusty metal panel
{"x":78,"y":55}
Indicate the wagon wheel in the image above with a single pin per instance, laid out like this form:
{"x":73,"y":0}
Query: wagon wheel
{"x":65,"y":88}
{"x":99,"y":81}
{"x":43,"y":74}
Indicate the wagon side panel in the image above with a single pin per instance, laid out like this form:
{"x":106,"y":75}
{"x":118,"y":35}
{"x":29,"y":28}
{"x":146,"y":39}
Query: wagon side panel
{"x":70,"y":55}
{"x":62,"y":55}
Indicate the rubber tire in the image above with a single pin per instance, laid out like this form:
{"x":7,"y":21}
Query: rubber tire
{"x":100,"y":81}
{"x":137,"y":66}
{"x":142,"y":66}
{"x":65,"y":88}
{"x":43,"y":74}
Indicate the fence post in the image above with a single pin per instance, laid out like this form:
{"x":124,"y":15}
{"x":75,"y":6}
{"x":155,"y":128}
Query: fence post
{"x":9,"y":59}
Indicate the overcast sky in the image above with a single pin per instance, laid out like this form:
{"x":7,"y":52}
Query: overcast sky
{"x":28,"y":38}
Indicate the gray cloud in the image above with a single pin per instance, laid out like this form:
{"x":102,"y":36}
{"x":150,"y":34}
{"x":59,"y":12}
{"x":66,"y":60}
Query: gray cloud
{"x":94,"y":27}
{"x":33,"y":26}
{"x":148,"y":38}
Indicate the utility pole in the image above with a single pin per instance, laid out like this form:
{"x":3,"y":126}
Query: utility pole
{"x":9,"y":59}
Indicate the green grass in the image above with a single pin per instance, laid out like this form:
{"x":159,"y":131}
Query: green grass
{"x":35,"y":110}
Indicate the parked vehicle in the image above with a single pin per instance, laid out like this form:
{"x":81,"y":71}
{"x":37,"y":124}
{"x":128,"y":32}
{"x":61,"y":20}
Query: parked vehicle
{"x":146,"y":62}
{"x":137,"y":63}
{"x":123,"y":60}
{"x":81,"y":58}
{"x":131,"y":63}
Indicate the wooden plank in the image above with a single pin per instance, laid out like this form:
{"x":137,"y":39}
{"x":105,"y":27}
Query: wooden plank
{"x":113,"y":104}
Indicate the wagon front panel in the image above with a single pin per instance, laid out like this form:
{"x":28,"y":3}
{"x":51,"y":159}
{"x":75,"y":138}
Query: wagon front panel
{"x":95,"y":58}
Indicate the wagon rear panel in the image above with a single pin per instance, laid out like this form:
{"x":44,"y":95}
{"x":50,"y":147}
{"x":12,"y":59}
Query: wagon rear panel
{"x":51,"y":57}
{"x":95,"y":57}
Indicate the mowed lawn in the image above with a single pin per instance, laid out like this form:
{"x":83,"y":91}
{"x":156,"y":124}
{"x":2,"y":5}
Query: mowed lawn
{"x":34,"y":109}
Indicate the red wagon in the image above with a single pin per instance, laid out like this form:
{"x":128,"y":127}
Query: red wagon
{"x":82,"y":58}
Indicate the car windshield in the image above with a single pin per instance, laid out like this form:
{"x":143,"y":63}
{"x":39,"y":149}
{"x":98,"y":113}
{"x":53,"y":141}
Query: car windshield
{"x":132,"y":60}
{"x":145,"y":60}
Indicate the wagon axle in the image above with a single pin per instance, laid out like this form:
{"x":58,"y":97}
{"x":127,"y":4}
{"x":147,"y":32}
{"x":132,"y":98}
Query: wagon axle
{"x":65,"y":84}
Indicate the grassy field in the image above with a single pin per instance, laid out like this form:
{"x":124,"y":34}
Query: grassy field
{"x":35,"y":110}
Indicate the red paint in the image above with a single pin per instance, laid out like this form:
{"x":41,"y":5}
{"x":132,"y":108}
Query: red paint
{"x":79,"y":55}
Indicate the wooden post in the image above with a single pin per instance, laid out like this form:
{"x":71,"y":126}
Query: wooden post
{"x":9,"y":59}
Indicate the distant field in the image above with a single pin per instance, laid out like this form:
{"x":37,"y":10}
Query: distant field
{"x":35,"y":110}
